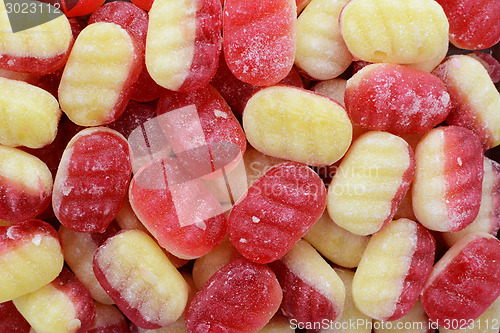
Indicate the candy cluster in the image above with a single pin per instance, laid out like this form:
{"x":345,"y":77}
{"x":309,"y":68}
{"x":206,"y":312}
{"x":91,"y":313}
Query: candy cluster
{"x":250,"y":166}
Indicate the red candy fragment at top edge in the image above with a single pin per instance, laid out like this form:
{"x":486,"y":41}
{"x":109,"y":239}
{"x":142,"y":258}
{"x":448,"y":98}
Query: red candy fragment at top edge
{"x":259,"y":39}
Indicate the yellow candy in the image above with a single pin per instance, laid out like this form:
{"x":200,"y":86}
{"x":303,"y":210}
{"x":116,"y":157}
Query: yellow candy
{"x":370,"y":182}
{"x":395,"y":31}
{"x":321,"y":51}
{"x":297,"y":125}
{"x":95,"y":74}
{"x":28,"y":115}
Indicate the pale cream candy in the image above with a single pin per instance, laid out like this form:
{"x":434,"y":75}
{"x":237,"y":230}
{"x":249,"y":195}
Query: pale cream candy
{"x":321,"y":51}
{"x":334,"y":89}
{"x":28,"y":115}
{"x":95,"y":74}
{"x":170,"y":42}
{"x":395,"y":31}
{"x":338,"y":245}
{"x":297,"y":125}
{"x":365,"y":190}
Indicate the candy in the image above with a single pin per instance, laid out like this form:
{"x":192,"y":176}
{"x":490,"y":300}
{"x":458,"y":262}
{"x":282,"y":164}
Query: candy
{"x":473,"y":25}
{"x":488,"y":218}
{"x":71,"y":307}
{"x":29,"y":115}
{"x":396,"y":99}
{"x":98,"y":78}
{"x":257,"y":163}
{"x":393,"y":30}
{"x":108,"y":319}
{"x":491,"y":64}
{"x":145,"y":88}
{"x":312,"y":290}
{"x":72,"y":8}
{"x":183,"y":43}
{"x":25,"y":185}
{"x":393,"y":270}
{"x":321,"y":52}
{"x":415,"y":321}
{"x":338,"y":245}
{"x":140,"y":279}
{"x":297,"y":125}
{"x":279,"y":208}
{"x":370,"y":182}
{"x":446,"y":192}
{"x":11,"y":321}
{"x":465,"y":281}
{"x":242,"y":296}
{"x":334,"y":88}
{"x":277,"y":324}
{"x":475,"y":100}
{"x":34,"y":50}
{"x":79,"y":249}
{"x":90,"y":187}
{"x":260,"y":39}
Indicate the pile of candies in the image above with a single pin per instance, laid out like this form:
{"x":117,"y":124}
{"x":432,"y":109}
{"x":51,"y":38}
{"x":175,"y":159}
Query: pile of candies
{"x":250,"y":166}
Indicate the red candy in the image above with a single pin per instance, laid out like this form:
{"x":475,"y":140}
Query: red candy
{"x":259,"y":39}
{"x":279,"y":208}
{"x":11,"y":321}
{"x":90,"y":186}
{"x":240,"y":297}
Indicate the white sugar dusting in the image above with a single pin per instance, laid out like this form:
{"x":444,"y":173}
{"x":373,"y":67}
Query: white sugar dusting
{"x":37,"y":239}
{"x":74,"y":324}
{"x":255,"y":219}
{"x":243,"y":240}
{"x":459,"y":160}
{"x":201,"y":224}
{"x":220,"y":114}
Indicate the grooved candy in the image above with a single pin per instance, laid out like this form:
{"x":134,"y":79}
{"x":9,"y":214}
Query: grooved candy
{"x":108,"y":319}
{"x":39,"y":50}
{"x":29,"y":115}
{"x":338,"y":245}
{"x":415,"y":321}
{"x":321,"y":52}
{"x":370,"y":182}
{"x":25,"y":185}
{"x":71,"y":307}
{"x":396,"y":99}
{"x":279,"y":208}
{"x":465,"y":281}
{"x":79,"y":249}
{"x":140,"y":279}
{"x":488,"y":218}
{"x":98,"y":78}
{"x":394,"y":31}
{"x":259,"y":39}
{"x":240,"y":297}
{"x":473,"y":24}
{"x":393,"y":270}
{"x":475,"y":100}
{"x":446,"y":192}
{"x":183,"y":43}
{"x":297,"y":125}
{"x":312,"y":290}
{"x":90,"y":187}
{"x":11,"y":321}
{"x":145,"y":88}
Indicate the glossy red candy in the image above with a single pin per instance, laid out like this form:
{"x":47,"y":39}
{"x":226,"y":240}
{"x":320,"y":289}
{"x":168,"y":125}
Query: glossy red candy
{"x":11,"y":321}
{"x":259,"y":39}
{"x":240,"y":297}
{"x":92,"y":179}
{"x":279,"y":208}
{"x":145,"y":88}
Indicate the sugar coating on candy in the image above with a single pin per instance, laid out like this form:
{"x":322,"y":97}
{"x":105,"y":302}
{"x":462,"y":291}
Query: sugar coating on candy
{"x":27,"y":247}
{"x":297,"y":125}
{"x":488,"y":218}
{"x":394,"y":31}
{"x":312,"y":290}
{"x":415,"y":321}
{"x":72,"y":309}
{"x":108,"y":319}
{"x":29,"y":115}
{"x":473,"y":24}
{"x":242,"y":296}
{"x":429,"y":65}
{"x":446,"y":192}
{"x":321,"y":51}
{"x":40,"y":49}
{"x":25,"y":186}
{"x":260,"y":39}
{"x":278,"y":209}
{"x":338,"y":245}
{"x":370,"y":182}
{"x":396,"y":99}
{"x":89,"y":187}
{"x":491,"y":64}
{"x":140,"y":279}
{"x":183,"y":43}
{"x":476,"y":101}
{"x":102,"y":62}
{"x":393,"y":270}
{"x":465,"y":281}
